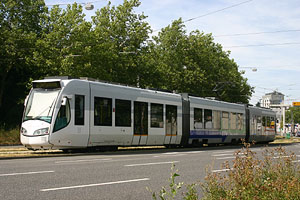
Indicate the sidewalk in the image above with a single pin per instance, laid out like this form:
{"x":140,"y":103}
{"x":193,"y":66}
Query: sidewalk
{"x":11,"y":146}
{"x":19,"y":151}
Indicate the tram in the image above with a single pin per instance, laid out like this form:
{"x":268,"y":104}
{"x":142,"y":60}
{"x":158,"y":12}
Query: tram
{"x":67,"y":113}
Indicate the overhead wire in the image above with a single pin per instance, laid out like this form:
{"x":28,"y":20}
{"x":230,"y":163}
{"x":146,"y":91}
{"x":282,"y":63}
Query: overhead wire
{"x":226,"y":35}
{"x":256,"y":33}
{"x":262,"y":45}
{"x":213,"y":12}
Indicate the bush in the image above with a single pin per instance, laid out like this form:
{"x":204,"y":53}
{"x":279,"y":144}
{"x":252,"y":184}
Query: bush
{"x":274,"y":176}
{"x":10,"y":137}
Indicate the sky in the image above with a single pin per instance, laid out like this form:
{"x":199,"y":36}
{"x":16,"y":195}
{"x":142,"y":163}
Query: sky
{"x":260,"y":34}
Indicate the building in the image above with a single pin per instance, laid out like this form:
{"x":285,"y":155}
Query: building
{"x":273,"y":98}
{"x":275,"y":101}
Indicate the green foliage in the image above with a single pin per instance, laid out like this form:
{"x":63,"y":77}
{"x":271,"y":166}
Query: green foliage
{"x":295,"y":111}
{"x":191,"y":193}
{"x":19,"y":28}
{"x":172,"y":191}
{"x":63,"y":47}
{"x":195,"y":64}
{"x":119,"y":45}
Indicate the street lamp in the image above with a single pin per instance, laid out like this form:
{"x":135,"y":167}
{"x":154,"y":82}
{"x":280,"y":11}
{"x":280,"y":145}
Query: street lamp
{"x":89,"y":6}
{"x":253,"y":69}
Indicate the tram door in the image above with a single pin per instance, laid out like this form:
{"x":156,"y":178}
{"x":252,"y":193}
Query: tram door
{"x":171,"y":124}
{"x":140,"y":129}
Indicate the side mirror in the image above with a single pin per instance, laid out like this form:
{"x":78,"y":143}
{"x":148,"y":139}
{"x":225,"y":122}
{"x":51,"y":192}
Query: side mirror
{"x":64,"y":101}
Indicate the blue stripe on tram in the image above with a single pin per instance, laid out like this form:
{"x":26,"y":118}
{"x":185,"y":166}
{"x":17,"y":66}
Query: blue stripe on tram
{"x":207,"y":134}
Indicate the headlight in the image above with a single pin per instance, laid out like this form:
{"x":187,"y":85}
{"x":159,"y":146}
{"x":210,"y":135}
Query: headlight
{"x":23,"y":131}
{"x":42,"y":131}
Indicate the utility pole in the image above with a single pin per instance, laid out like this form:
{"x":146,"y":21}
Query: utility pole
{"x":292,"y":122}
{"x":283,"y":121}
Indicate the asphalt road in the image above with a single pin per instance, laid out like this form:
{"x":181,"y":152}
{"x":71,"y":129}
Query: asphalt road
{"x":112,"y":175}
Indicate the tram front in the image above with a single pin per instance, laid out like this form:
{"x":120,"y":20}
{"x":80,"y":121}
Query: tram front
{"x":38,"y":114}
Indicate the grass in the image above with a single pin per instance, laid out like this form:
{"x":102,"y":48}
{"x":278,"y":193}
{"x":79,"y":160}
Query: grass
{"x":283,"y":140}
{"x":10,"y":137}
{"x":275,"y":174}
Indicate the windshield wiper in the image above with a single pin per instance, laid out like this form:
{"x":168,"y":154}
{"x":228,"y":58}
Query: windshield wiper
{"x":51,"y":107}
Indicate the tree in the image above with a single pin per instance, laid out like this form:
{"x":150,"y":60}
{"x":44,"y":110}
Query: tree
{"x":168,"y":55}
{"x":119,"y":44}
{"x":64,"y":47}
{"x":295,"y":112}
{"x":19,"y":28}
{"x":195,"y":64}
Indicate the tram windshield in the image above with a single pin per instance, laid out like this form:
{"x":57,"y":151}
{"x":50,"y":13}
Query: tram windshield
{"x":40,"y":105}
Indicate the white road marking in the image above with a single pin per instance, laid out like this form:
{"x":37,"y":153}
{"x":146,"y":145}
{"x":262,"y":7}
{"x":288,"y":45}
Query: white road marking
{"x":194,"y":152}
{"x":26,"y":173}
{"x":94,"y":185}
{"x":145,"y":164}
{"x":77,"y":161}
{"x":225,"y":158}
{"x":173,"y":155}
{"x":221,"y":170}
{"x":217,"y":152}
{"x":277,"y":157}
{"x":224,"y":154}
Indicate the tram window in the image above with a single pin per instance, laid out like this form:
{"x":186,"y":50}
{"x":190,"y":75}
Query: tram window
{"x":207,"y":118}
{"x":263,"y":121}
{"x":63,"y":117}
{"x":253,"y":128}
{"x":232,"y":121}
{"x":225,"y":120}
{"x":198,"y":121}
{"x":217,"y":119}
{"x":258,"y":119}
{"x":102,"y":111}
{"x":272,"y":122}
{"x":240,"y":121}
{"x":79,"y":110}
{"x":157,"y":115}
{"x":123,"y":113}
{"x":171,"y":120}
{"x":268,"y":121}
{"x":140,"y":118}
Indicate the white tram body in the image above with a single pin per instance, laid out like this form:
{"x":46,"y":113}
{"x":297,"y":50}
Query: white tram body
{"x":262,"y":126}
{"x":216,"y":122}
{"x":63,"y":113}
